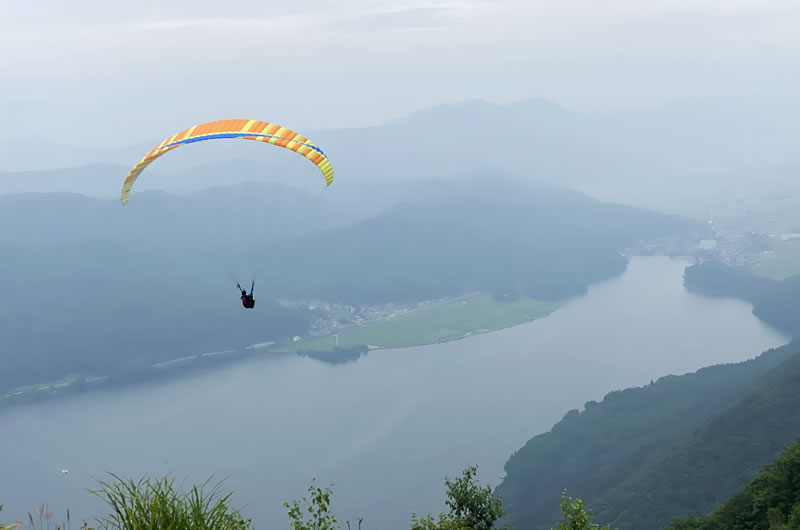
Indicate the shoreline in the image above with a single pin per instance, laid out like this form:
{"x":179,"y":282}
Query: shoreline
{"x":77,"y":384}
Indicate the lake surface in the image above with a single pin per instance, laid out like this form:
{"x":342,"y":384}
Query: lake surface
{"x":385,"y":430}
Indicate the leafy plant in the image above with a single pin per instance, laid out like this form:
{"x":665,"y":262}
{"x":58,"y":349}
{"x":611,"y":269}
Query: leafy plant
{"x":318,"y":510}
{"x":472,"y":507}
{"x":576,"y":516}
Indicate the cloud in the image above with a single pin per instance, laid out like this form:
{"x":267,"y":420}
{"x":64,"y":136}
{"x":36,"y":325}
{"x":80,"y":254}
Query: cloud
{"x":282,"y":23}
{"x":86,"y":65}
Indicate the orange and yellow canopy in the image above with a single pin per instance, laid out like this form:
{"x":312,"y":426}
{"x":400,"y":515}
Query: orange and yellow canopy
{"x":244,"y":129}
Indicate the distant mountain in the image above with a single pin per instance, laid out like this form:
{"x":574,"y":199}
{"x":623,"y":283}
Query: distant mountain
{"x":90,"y":286}
{"x":104,"y":181}
{"x":672,"y":158}
{"x":694,"y":151}
{"x":95,"y":180}
{"x":481,"y":234}
{"x":676,"y":447}
{"x":255,"y":210}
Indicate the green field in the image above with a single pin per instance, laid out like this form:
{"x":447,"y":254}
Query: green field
{"x":444,"y":322}
{"x":784,"y":263}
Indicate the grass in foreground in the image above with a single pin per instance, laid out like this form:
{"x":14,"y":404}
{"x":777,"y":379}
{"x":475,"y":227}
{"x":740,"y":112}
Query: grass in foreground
{"x":434,"y":324}
{"x":156,"y":504}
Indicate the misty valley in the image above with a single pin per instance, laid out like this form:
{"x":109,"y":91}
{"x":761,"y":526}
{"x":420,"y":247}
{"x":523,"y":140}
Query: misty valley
{"x":368,"y":264}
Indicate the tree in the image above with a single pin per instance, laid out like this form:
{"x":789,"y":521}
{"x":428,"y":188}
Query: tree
{"x":318,"y":508}
{"x":771,"y":500}
{"x":576,"y":516}
{"x":471,"y":507}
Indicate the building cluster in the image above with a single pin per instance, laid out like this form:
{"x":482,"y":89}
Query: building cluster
{"x":334,"y":317}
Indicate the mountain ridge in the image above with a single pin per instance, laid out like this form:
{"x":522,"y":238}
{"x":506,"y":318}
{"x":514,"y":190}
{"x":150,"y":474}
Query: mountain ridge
{"x":635,"y":456}
{"x":647,"y":158}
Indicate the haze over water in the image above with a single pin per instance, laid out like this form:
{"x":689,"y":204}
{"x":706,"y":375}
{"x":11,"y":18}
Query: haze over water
{"x":386,"y":429}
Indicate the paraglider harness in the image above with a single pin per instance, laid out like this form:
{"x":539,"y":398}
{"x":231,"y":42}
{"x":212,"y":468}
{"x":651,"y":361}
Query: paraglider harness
{"x":247,"y":299}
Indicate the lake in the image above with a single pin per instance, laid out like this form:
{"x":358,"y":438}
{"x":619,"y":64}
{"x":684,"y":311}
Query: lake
{"x":385,"y":430}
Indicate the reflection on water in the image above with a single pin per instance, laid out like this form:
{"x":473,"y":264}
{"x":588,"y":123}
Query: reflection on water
{"x":386,"y":429}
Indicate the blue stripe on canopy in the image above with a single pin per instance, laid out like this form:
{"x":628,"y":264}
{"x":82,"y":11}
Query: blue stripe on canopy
{"x":237,"y":135}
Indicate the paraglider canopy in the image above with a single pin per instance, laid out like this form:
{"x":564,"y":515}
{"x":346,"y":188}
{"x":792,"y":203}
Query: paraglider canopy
{"x":242,"y":129}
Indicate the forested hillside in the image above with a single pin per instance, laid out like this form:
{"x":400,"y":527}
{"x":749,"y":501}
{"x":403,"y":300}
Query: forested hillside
{"x":771,"y":501}
{"x":93,"y":288}
{"x":676,"y":447}
{"x":774,"y":302}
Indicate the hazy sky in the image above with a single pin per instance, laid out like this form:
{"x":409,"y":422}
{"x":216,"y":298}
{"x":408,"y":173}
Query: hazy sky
{"x":127,"y":72}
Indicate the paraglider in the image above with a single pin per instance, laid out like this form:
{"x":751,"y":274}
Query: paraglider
{"x":243,"y":129}
{"x":238,"y":129}
{"x":247,"y":299}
